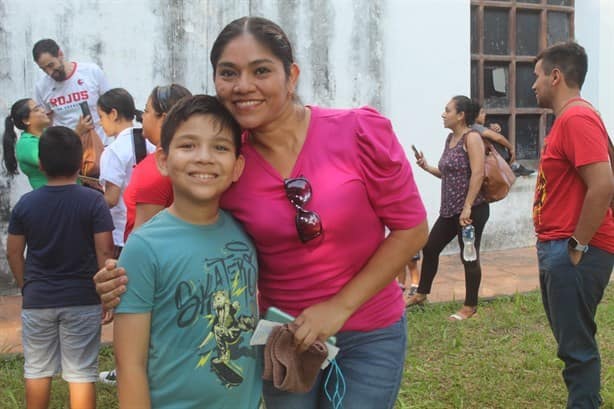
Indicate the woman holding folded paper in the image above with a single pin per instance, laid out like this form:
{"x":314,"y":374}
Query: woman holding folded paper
{"x":319,"y":188}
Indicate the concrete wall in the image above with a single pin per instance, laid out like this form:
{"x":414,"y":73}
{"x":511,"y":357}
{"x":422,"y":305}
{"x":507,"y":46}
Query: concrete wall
{"x":595,"y":30}
{"x":405,"y":57}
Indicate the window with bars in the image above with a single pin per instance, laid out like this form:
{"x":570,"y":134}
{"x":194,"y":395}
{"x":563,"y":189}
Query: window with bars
{"x":506,"y":36}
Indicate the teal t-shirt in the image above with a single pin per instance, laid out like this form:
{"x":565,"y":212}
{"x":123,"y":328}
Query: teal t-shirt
{"x":26,"y":152}
{"x":199,"y":283}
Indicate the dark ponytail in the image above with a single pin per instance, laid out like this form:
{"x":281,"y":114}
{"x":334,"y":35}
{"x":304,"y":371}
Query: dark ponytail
{"x":20,"y":111}
{"x":8,"y":147}
{"x":469,"y":107}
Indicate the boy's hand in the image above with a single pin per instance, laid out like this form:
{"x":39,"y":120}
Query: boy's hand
{"x":495,"y":127}
{"x":110,"y":284}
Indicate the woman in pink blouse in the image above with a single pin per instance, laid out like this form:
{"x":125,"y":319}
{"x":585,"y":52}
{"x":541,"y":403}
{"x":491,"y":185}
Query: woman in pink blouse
{"x":319,"y":188}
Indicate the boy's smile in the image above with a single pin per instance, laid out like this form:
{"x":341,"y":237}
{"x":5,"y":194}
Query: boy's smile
{"x":201,"y":161}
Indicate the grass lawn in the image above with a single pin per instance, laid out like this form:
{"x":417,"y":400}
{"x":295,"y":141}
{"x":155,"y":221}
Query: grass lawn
{"x":504,"y":358}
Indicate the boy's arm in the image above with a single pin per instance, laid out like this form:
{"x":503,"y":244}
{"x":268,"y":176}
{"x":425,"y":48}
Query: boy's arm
{"x":111,"y":194}
{"x":144,"y":212}
{"x":15,"y":246}
{"x":131,"y":343}
{"x":497,"y":137}
{"x":103,"y":242}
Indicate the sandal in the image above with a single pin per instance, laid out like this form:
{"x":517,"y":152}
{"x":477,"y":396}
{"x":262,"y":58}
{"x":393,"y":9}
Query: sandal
{"x":460,"y":316}
{"x":416,"y":299}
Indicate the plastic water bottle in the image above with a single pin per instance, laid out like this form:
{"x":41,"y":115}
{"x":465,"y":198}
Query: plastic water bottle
{"x":469,"y":253}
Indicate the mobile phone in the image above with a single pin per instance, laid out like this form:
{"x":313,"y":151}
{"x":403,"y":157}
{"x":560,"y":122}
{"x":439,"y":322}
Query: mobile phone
{"x":85,"y":109}
{"x":413,"y":148}
{"x":277,"y":315}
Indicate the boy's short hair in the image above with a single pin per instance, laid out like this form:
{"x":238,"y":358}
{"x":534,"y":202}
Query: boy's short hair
{"x":199,"y":105}
{"x":60,"y":152}
{"x":570,"y":58}
{"x":45,"y":45}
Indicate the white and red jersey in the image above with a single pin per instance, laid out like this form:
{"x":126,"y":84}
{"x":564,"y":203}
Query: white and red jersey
{"x":86,"y":83}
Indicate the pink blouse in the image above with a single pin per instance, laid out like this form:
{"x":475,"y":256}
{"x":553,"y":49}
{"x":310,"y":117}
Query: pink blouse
{"x":361,"y":182}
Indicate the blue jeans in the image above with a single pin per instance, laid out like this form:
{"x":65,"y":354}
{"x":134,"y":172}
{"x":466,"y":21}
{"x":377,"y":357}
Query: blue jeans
{"x":570,"y":295}
{"x":372,"y":366}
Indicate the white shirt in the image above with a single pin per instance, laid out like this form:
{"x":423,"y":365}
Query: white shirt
{"x":86,"y":83}
{"x":116,"y":164}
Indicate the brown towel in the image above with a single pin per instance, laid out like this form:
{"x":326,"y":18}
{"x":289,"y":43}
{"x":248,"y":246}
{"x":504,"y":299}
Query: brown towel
{"x":290,"y":370}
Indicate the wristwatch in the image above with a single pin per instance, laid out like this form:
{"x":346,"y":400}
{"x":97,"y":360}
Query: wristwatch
{"x":575,"y":245}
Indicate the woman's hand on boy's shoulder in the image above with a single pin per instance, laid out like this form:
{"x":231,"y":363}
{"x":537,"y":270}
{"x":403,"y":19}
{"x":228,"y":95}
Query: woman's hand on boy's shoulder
{"x":110,"y":284}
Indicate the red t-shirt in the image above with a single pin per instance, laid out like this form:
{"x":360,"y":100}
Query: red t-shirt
{"x":577,"y":138}
{"x":146,"y":186}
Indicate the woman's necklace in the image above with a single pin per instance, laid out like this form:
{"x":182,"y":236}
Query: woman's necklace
{"x":457,"y":136}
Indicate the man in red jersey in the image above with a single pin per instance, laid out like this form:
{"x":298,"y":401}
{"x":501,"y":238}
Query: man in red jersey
{"x":66,"y":85}
{"x":573,"y":218}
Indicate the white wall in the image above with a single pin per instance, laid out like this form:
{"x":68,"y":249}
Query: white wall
{"x":594,"y":25}
{"x":427,"y":62}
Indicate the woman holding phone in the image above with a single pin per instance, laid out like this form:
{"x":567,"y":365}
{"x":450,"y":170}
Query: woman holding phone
{"x":461,"y":170}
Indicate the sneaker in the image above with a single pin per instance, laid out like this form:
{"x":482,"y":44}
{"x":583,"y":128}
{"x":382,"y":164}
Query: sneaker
{"x":108,"y":377}
{"x":520,"y":170}
{"x":412,"y":290}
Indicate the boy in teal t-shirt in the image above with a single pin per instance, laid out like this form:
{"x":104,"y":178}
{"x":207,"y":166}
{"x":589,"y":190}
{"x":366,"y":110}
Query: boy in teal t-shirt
{"x":183,"y":327}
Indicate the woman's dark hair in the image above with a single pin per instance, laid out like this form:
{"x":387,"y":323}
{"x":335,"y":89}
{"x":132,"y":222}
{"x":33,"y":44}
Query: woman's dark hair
{"x":120,"y":100}
{"x":470,"y":108}
{"x":267,"y":33}
{"x":45,"y":45}
{"x":60,"y":152}
{"x":163,"y":97}
{"x":199,"y":105}
{"x":20,"y":111}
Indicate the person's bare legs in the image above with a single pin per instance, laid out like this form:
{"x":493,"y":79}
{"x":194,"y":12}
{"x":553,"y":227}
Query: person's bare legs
{"x":82,"y":395}
{"x":409,"y":279}
{"x":37,"y":393}
{"x":402,"y":278}
{"x":414,"y":274}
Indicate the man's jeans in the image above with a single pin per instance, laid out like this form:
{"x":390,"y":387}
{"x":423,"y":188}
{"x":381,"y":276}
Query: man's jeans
{"x":570,"y":295}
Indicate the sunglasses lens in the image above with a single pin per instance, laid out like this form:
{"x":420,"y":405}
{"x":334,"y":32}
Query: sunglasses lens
{"x":298,"y":191}
{"x":308,"y":225}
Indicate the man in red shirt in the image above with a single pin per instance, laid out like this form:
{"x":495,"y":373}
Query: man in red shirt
{"x":573,"y":218}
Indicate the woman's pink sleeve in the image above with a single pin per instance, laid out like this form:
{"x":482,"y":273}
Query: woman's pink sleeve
{"x":386,"y":172}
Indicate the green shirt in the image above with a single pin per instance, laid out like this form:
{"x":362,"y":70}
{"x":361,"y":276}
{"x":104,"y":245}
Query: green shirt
{"x":26,"y":152}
